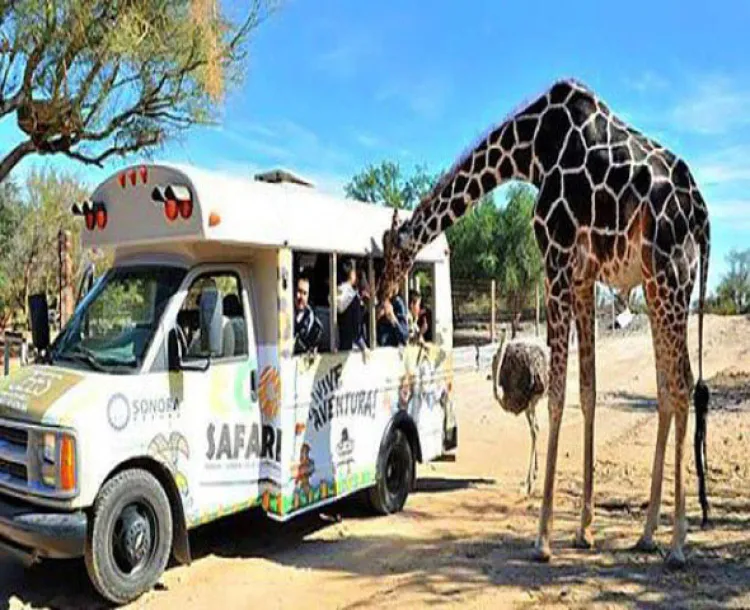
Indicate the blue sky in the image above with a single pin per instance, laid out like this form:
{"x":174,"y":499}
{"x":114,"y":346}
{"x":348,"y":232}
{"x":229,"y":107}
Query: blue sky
{"x":333,"y":85}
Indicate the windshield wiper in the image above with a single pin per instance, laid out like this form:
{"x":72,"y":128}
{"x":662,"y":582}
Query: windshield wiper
{"x":81,"y":354}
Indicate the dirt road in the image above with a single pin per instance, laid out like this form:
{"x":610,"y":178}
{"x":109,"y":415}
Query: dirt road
{"x":466,"y":535}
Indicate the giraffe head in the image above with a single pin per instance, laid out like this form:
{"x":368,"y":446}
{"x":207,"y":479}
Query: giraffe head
{"x":399,"y":250}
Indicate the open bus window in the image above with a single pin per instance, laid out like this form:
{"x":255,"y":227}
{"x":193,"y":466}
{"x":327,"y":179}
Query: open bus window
{"x":349,"y":291}
{"x":234,"y":325}
{"x":422,"y":282}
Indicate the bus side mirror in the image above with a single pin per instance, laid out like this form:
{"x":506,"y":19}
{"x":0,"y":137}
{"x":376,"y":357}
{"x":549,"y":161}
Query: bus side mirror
{"x":211,"y":314}
{"x":39,"y":318}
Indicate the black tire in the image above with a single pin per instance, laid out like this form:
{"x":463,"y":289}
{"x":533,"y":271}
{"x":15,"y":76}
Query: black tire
{"x":395,"y":475}
{"x":130,"y":537}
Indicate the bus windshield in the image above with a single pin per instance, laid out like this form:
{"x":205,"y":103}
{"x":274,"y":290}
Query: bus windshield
{"x":113,"y":326}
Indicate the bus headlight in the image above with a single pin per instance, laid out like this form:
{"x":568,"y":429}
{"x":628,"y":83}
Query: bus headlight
{"x":49,"y":459}
{"x":57,"y":459}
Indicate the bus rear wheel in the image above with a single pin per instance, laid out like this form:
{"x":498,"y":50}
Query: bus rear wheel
{"x":395,"y":475}
{"x":130,"y":540}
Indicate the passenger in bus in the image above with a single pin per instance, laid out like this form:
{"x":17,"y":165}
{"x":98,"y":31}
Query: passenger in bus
{"x":393,"y":326}
{"x":307,"y":327}
{"x":425,"y":324}
{"x":415,"y":311}
{"x":364,"y":296}
{"x":350,"y":309}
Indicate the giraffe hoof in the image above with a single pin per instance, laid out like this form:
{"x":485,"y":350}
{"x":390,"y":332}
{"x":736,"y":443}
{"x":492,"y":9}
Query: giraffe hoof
{"x":542,"y":553}
{"x":675,"y":560}
{"x":583,"y":540}
{"x":646,"y":545}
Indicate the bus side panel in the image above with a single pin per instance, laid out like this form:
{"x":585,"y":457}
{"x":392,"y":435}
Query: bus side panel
{"x":425,"y":392}
{"x":342,"y":405}
{"x":340,"y":414}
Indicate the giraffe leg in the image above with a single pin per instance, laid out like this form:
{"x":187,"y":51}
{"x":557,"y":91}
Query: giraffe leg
{"x":558,"y":331}
{"x":584,"y":313}
{"x":674,"y":379}
{"x":676,"y":557}
{"x":646,"y":542}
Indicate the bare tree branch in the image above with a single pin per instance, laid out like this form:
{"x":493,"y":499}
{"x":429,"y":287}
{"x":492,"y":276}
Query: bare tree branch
{"x":14,"y":157}
{"x":150,"y":140}
{"x":121,"y":76}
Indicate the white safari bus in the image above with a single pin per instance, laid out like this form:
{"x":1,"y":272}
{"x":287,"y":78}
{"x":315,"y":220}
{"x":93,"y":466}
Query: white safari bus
{"x":175,"y":394}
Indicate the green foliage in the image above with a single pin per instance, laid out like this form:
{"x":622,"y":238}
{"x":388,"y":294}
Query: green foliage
{"x":90,"y":78}
{"x":498,"y":243}
{"x":520,"y":262}
{"x":10,"y":204}
{"x":733,"y":292}
{"x":474,"y":253}
{"x":386,"y":184}
{"x":488,"y":242}
{"x":29,"y":243}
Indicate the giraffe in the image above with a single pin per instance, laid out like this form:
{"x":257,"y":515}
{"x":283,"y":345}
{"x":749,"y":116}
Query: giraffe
{"x":613,"y":206}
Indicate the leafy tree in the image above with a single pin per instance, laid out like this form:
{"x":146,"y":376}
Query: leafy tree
{"x":733,"y":292}
{"x":519,"y":259}
{"x":386,"y":184}
{"x":488,"y":242}
{"x":472,"y":242}
{"x":10,"y":209}
{"x":90,"y":79}
{"x":31,"y":262}
{"x":498,"y":243}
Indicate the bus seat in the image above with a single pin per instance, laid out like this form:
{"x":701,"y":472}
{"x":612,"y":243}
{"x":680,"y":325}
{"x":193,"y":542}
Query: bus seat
{"x":233,"y":311}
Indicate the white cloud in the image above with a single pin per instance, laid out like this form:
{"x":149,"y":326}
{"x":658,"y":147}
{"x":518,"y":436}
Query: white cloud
{"x":255,"y":145}
{"x":346,"y":53}
{"x":726,"y":165}
{"x":367,"y":140}
{"x":647,"y":81}
{"x":715,"y":105}
{"x":282,"y":142}
{"x":427,"y":96}
{"x":738,"y":209}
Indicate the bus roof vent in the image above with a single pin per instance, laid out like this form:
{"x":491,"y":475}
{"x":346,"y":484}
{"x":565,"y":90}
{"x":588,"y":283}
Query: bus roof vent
{"x":279,"y":176}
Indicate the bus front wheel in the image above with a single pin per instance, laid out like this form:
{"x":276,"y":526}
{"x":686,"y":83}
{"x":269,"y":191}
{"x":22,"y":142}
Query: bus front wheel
{"x":129,"y":542}
{"x":395,"y":474}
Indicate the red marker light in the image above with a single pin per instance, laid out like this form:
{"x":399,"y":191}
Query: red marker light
{"x":101,"y":218}
{"x":186,"y":208}
{"x":133,"y":177}
{"x":144,"y":174}
{"x":170,"y":209}
{"x":90,"y":220}
{"x":122,"y":179}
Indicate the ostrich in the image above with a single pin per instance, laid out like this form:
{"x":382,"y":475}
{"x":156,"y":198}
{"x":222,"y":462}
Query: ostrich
{"x":519,"y":379}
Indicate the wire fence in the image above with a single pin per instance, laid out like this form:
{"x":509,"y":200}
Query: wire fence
{"x":481,"y":311}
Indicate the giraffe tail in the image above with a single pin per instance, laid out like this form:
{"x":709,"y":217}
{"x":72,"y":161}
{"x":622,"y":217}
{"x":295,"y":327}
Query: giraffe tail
{"x":701,"y":393}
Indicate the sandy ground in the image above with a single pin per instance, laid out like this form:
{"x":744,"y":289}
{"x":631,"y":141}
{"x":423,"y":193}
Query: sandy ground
{"x":466,"y":535}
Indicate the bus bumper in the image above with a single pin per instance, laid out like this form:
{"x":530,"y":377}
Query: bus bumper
{"x":30,"y":533}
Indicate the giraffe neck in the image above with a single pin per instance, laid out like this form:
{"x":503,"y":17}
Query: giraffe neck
{"x":506,"y":153}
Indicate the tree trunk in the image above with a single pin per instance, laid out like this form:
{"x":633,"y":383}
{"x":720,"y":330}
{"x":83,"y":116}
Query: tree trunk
{"x":14,"y":157}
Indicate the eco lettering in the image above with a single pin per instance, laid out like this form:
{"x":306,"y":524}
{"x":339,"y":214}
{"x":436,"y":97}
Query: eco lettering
{"x":231,"y":442}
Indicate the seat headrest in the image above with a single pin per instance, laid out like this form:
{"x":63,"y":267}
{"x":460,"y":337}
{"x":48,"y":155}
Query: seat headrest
{"x":232,"y":306}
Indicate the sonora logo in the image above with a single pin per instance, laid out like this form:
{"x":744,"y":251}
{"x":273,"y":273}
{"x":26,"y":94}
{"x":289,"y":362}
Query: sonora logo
{"x":118,"y":412}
